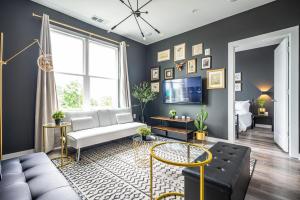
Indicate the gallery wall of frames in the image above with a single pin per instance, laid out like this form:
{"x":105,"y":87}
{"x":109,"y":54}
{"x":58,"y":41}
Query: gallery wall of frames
{"x":186,"y":66}
{"x":200,"y":51}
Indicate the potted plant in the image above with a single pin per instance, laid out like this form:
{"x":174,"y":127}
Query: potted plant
{"x":199,"y":124}
{"x":172,"y":113}
{"x":144,"y":131}
{"x":261,"y":106}
{"x":143,"y":93}
{"x":58,"y":116}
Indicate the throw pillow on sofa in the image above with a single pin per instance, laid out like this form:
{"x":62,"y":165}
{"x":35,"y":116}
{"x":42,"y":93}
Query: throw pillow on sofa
{"x":82,"y":123}
{"x":123,"y":118}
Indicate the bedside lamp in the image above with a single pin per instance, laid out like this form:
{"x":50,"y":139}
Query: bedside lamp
{"x":267,"y":94}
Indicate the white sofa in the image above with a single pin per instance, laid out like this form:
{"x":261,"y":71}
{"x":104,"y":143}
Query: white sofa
{"x":94,"y":127}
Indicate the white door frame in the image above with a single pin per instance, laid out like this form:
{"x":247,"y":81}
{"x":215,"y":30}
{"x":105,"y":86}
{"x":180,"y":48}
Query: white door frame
{"x":261,"y":41}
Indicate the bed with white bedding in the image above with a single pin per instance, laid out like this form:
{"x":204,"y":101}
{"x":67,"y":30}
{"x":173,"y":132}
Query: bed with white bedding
{"x":243,"y":115}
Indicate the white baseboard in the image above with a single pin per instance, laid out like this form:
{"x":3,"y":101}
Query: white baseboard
{"x":213,"y":139}
{"x":263,"y":126}
{"x":18,"y":154}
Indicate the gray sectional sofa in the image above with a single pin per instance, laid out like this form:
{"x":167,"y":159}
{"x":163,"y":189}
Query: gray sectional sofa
{"x":35,"y":177}
{"x":94,"y":127}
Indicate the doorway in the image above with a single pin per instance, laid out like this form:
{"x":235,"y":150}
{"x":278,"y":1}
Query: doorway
{"x":290,"y":129}
{"x":257,"y":99}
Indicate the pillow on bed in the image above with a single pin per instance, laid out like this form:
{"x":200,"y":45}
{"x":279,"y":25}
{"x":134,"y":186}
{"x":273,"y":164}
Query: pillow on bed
{"x":123,"y":118}
{"x":242,"y":106}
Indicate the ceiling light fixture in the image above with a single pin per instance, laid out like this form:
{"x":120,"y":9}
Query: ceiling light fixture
{"x":137,"y":15}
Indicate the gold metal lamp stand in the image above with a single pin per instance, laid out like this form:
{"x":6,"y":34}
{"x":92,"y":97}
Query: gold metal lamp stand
{"x":44,"y":62}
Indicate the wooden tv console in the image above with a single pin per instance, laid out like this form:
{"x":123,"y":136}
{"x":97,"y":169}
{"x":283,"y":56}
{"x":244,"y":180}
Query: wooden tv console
{"x":172,"y":132}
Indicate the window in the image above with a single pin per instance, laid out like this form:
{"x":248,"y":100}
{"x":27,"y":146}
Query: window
{"x":86,"y":71}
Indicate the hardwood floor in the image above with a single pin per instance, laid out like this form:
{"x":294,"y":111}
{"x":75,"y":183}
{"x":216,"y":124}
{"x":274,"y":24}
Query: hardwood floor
{"x":276,"y":176}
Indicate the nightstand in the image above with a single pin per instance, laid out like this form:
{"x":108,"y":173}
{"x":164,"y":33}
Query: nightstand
{"x":263,"y":119}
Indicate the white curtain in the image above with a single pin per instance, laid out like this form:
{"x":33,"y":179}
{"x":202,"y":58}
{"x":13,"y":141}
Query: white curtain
{"x":46,"y":99}
{"x":124,"y":91}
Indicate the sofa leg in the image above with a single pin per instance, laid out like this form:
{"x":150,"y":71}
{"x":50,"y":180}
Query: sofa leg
{"x":78,"y":155}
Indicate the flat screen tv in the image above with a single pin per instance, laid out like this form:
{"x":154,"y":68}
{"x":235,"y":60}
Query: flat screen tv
{"x":183,"y":91}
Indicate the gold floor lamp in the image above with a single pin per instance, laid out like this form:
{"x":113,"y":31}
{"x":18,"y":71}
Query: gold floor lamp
{"x":44,"y":62}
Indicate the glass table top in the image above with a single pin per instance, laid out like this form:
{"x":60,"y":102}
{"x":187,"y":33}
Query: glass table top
{"x":53,"y":125}
{"x":181,"y":153}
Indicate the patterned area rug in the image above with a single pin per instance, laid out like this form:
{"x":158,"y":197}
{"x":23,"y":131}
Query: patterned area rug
{"x":110,"y":171}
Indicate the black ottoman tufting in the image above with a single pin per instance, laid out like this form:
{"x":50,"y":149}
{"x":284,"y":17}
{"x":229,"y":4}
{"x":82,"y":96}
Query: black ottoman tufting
{"x":226,"y":177}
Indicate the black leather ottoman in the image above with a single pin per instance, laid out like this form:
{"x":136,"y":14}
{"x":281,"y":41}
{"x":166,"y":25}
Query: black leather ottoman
{"x":35,"y":177}
{"x":226,"y":177}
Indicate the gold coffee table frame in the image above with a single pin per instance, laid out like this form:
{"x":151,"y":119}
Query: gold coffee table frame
{"x":179,"y":164}
{"x":63,"y":141}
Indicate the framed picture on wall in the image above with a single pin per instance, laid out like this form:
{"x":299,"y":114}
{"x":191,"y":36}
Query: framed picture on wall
{"x":197,"y":49}
{"x":191,"y":66}
{"x":238,"y":87}
{"x":163,"y":55}
{"x":155,"y":74}
{"x":207,"y":52}
{"x":179,"y":52}
{"x":238,"y":76}
{"x":206,"y":62}
{"x":155,"y":87}
{"x":215,"y":78}
{"x":169,"y":73}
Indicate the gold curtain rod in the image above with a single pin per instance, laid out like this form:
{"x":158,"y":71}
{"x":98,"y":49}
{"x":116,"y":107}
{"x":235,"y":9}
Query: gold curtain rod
{"x":79,"y":30}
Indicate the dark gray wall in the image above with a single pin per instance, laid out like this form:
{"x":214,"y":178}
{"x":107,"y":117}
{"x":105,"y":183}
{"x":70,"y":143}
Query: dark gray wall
{"x":216,"y":36}
{"x":257,"y":68}
{"x":19,"y":79}
{"x":19,"y":76}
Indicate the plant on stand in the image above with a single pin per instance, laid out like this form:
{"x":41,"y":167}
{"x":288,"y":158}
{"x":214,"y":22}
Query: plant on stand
{"x":143,"y":93}
{"x":58,"y":116}
{"x":144,"y":132}
{"x":200,"y":125}
{"x":261,"y":106}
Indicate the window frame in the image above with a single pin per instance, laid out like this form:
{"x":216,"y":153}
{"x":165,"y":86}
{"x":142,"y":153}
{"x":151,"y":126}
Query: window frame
{"x":85,"y":74}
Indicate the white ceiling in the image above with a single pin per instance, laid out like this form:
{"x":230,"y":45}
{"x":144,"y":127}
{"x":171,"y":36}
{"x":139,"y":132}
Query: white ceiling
{"x":171,"y":17}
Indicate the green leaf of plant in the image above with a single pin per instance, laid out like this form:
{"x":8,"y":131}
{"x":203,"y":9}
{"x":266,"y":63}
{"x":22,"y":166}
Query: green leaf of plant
{"x":196,"y":123}
{"x":205,"y":115}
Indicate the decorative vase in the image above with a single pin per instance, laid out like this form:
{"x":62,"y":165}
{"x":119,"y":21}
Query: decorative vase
{"x":261,"y":111}
{"x":201,"y":135}
{"x":57,"y":121}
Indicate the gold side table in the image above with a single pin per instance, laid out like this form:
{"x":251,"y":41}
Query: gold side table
{"x":63,"y":141}
{"x":180,"y":154}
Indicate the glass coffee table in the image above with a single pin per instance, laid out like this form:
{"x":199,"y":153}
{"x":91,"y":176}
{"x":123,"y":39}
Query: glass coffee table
{"x":181,"y":154}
